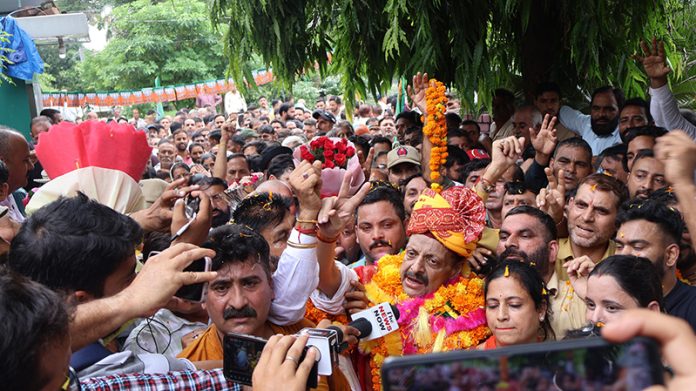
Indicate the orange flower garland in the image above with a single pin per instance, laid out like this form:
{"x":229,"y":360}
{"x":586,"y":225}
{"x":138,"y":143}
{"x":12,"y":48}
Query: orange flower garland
{"x":436,"y":129}
{"x":316,"y":315}
{"x":461,"y":299}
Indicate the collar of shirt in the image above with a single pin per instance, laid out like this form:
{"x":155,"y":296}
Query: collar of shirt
{"x":565,"y":251}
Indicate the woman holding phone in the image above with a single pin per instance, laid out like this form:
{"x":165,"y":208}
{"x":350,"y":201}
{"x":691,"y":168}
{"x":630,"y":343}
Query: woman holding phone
{"x":619,"y":283}
{"x":517,"y":306}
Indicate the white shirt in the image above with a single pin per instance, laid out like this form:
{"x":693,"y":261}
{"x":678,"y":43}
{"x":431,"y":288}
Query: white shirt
{"x":234,"y":102}
{"x":334,"y":304}
{"x":582,"y":125}
{"x":294,"y":280}
{"x":162,"y":335}
{"x":12,"y":209}
{"x":665,"y":111}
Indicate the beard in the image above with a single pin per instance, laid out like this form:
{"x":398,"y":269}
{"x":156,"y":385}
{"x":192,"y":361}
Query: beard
{"x":584,"y":241}
{"x":604,"y":129}
{"x":221,"y":218}
{"x":539,"y":258}
{"x":660,"y":267}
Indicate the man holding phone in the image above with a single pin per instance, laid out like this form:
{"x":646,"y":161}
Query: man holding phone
{"x":87,"y":250}
{"x":239,"y":298}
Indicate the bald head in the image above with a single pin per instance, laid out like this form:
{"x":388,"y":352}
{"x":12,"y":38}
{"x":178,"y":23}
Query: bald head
{"x":275,"y":186}
{"x":14,"y":151}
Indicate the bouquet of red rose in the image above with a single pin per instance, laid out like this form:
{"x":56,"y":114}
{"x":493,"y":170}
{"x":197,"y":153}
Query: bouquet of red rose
{"x":331,"y":153}
{"x":338,"y":157}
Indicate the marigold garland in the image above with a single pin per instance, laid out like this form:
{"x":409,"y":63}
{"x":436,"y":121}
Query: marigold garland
{"x":315,"y":315}
{"x":455,"y":316}
{"x":436,"y":129}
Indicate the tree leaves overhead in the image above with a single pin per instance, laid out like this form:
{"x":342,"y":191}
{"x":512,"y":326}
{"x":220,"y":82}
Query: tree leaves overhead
{"x":473,"y":45}
{"x":171,"y":39}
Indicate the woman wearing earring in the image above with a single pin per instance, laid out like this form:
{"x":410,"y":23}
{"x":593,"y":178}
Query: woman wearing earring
{"x":517,"y":306}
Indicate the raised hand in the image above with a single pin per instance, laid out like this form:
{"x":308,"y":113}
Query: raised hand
{"x":305,"y":181}
{"x":197,"y":228}
{"x":507,"y":151}
{"x":162,"y":275}
{"x":551,"y":199}
{"x":416,"y":91}
{"x":158,"y":217}
{"x":578,"y":271}
{"x":544,"y":141}
{"x":367,"y":162}
{"x":654,"y":62}
{"x":336,"y":212}
{"x":677,"y":151}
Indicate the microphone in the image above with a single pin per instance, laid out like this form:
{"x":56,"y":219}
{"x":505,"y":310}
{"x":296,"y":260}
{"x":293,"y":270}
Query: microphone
{"x":372,"y":323}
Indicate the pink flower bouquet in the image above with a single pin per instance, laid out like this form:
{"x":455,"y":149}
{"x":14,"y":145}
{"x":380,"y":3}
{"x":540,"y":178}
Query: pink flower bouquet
{"x":338,"y":157}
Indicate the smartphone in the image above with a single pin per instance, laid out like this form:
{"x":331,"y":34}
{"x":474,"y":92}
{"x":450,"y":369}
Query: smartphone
{"x":191,"y":206}
{"x":195,"y":292}
{"x":242,"y":352}
{"x":581,"y":364}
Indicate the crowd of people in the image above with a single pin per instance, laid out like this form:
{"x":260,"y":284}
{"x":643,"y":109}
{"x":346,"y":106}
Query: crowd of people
{"x":483,"y":235}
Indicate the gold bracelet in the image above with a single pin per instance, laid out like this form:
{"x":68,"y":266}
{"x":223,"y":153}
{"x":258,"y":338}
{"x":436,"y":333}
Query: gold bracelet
{"x":300,"y":245}
{"x":307,"y":221}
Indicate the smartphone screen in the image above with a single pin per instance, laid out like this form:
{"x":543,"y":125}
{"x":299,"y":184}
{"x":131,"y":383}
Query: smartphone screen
{"x":241,"y":354}
{"x":195,"y":292}
{"x":585,"y":364}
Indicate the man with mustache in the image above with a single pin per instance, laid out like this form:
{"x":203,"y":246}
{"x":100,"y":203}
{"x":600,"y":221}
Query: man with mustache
{"x":239,"y":298}
{"x":443,"y":231}
{"x":591,"y":217}
{"x":529,"y":235}
{"x":600,"y":128}
{"x":181,"y":141}
{"x":380,"y":225}
{"x":572,"y":155}
{"x":166,"y":154}
{"x":647,"y":175}
{"x":219,"y":201}
{"x":636,"y":139}
{"x":547,"y":99}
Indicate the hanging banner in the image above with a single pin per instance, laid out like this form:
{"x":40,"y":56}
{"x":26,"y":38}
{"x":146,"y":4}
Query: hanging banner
{"x":148,"y":95}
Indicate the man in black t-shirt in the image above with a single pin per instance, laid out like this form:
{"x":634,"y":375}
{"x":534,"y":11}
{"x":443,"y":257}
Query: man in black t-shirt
{"x":653,"y":230}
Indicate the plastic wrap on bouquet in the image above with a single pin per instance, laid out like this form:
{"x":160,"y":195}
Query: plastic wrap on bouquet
{"x":338,"y":158}
{"x":67,"y":147}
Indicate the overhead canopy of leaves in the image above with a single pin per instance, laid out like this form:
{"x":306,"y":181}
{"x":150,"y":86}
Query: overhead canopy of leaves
{"x":171,"y":39}
{"x":473,"y":45}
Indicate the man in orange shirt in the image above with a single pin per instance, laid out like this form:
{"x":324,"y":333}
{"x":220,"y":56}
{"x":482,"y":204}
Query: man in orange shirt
{"x":239,"y":298}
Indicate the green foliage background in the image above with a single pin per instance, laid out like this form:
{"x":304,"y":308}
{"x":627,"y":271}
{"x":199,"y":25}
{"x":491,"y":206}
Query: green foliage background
{"x":360,"y":48}
{"x":473,"y":45}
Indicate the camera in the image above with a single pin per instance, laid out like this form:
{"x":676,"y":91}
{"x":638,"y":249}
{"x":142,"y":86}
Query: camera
{"x":327,"y":343}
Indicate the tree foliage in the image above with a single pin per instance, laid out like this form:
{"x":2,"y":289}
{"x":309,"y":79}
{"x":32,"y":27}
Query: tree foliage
{"x":171,"y":39}
{"x":473,"y":45}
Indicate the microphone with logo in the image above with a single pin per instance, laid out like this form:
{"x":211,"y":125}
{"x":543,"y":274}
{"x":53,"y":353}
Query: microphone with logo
{"x":374,"y":322}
